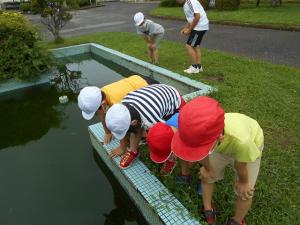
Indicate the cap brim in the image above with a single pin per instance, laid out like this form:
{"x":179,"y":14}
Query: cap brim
{"x":120,"y":136}
{"x":188,"y":153}
{"x":159,"y":159}
{"x":88,"y":116}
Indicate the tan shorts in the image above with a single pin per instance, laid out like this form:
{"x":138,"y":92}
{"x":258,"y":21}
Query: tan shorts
{"x":219,"y":162}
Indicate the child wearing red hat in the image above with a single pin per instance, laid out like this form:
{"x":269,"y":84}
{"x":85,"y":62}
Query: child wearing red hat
{"x":215,"y":139}
{"x":159,"y":140}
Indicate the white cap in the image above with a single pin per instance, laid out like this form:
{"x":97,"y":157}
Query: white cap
{"x":138,"y":18}
{"x":89,"y":101}
{"x":118,"y":120}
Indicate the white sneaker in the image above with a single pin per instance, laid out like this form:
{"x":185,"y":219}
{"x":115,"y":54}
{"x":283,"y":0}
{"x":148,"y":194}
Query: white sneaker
{"x":192,"y":69}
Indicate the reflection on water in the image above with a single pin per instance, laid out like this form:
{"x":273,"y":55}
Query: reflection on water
{"x":28,"y":115}
{"x":124,"y":209}
{"x":48,"y":171}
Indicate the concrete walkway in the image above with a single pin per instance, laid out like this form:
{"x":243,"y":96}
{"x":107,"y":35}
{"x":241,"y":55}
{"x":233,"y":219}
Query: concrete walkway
{"x":280,"y":47}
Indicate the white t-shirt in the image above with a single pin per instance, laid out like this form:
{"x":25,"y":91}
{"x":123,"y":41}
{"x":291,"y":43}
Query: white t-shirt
{"x":191,"y":7}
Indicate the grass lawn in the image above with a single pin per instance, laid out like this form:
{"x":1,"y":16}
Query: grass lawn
{"x":286,"y":16}
{"x":264,"y":91}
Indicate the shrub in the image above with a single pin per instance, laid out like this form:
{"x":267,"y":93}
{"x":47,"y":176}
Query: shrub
{"x":204,"y":4}
{"x":20,"y":57}
{"x":227,"y":4}
{"x":169,"y":3}
{"x":25,"y":6}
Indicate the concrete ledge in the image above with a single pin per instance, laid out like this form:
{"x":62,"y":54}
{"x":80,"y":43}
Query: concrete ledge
{"x":13,"y":84}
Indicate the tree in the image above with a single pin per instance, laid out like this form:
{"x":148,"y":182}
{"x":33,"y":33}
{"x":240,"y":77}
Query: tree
{"x":55,"y":14}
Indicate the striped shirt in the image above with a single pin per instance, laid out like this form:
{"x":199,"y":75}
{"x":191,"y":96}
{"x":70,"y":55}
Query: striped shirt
{"x":154,"y":103}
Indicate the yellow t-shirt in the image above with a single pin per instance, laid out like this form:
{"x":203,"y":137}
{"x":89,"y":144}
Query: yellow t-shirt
{"x":242,"y":138}
{"x":116,"y":91}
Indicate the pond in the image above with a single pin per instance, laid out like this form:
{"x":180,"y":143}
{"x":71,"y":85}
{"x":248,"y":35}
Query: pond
{"x":49,"y":172}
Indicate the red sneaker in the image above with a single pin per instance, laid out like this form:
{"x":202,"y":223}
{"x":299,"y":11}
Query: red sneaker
{"x":127,"y":159}
{"x":167,"y":168}
{"x":210,"y":216}
{"x":231,"y":221}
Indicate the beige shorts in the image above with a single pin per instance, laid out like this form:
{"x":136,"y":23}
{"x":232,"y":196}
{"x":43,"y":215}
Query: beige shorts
{"x":219,"y":162}
{"x":157,"y":39}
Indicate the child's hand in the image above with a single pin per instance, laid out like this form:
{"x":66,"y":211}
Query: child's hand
{"x":116,"y":152}
{"x":205,"y":174}
{"x":185,"y":31}
{"x":108,"y":137}
{"x":244,"y":190}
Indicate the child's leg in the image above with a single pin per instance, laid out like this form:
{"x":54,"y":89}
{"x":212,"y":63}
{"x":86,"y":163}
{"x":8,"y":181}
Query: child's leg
{"x":135,"y":139}
{"x":192,"y":54}
{"x":156,"y":55}
{"x":241,"y":209}
{"x":243,"y":206}
{"x":186,"y":167}
{"x":198,"y":54}
{"x":150,"y":52}
{"x":207,"y":193}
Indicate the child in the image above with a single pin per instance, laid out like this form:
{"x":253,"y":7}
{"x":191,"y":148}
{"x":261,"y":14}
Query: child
{"x":152,"y":33}
{"x":159,"y":140}
{"x":93,"y":100}
{"x":215,"y":139}
{"x":138,"y":110}
{"x":195,"y":29}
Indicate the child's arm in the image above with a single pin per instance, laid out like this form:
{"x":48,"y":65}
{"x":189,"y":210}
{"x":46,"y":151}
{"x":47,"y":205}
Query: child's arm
{"x":206,"y":172}
{"x":242,"y":185}
{"x":190,"y":26}
{"x":146,"y":38}
{"x":108,"y":135}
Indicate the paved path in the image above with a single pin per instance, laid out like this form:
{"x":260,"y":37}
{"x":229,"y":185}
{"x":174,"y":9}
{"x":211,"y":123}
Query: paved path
{"x":280,"y":47}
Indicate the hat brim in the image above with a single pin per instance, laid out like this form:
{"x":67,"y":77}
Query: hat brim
{"x":88,"y":116}
{"x":119,"y":136}
{"x":159,"y":159}
{"x":139,"y":23}
{"x":188,"y":153}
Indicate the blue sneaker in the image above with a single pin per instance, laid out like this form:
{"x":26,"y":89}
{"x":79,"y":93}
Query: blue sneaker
{"x":199,"y":187}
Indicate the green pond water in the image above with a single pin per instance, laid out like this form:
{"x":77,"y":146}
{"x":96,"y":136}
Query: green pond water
{"x":49,"y":172}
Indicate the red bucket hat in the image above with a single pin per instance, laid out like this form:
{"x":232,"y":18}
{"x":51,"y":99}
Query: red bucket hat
{"x":159,"y":140}
{"x":200,"y":123}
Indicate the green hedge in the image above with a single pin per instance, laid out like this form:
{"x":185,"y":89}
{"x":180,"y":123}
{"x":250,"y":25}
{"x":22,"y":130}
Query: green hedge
{"x":227,"y":4}
{"x":204,"y":3}
{"x":20,"y":57}
{"x":169,"y":3}
{"x":25,"y":6}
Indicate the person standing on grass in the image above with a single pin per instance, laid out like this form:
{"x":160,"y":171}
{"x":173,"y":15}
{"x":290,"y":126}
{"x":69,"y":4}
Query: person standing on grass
{"x":140,"y":110}
{"x":215,"y":139}
{"x":152,"y":33}
{"x":195,"y":29}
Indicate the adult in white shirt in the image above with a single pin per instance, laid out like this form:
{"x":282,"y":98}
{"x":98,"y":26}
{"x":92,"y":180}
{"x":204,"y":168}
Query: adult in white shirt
{"x":152,"y":33}
{"x":196,"y":27}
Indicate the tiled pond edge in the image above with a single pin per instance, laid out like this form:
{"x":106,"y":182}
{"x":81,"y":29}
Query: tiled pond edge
{"x":152,"y":198}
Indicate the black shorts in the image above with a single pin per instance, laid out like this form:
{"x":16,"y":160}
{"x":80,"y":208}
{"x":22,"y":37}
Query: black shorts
{"x":195,"y":37}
